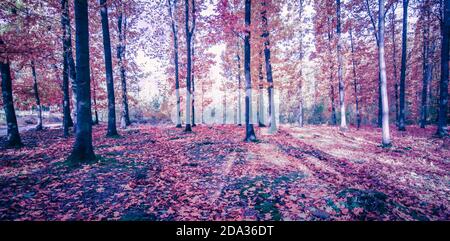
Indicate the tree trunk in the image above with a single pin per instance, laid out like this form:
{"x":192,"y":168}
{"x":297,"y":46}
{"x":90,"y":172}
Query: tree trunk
{"x":238,"y":60}
{"x":66,"y":98}
{"x":125,"y":115}
{"x":94,"y":95}
{"x":340,"y":77}
{"x":300,"y":110}
{"x":394,"y":65}
{"x":67,"y":52}
{"x":13,"y":136}
{"x":355,"y":81}
{"x":68,"y":56}
{"x":83,"y":150}
{"x":249,"y":131}
{"x":193,"y":86}
{"x":386,"y":140}
{"x":443,"y":86}
{"x":67,"y":48}
{"x":333,"y":108}
{"x":36,"y":97}
{"x":260,"y":109}
{"x":272,"y":121}
{"x":427,"y":68}
{"x":189,"y":65}
{"x":172,"y":14}
{"x":112,"y":130}
{"x":401,"y":122}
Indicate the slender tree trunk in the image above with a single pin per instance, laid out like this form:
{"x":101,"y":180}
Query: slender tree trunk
{"x":189,"y":67}
{"x":238,"y":60}
{"x":260,"y":109}
{"x":66,"y":98}
{"x":443,"y":86}
{"x":394,"y":65}
{"x":249,"y":131}
{"x":83,"y":150}
{"x":333,"y":105}
{"x":125,"y":115}
{"x":341,"y":79}
{"x":401,"y":123}
{"x":300,"y":110}
{"x":66,"y":40}
{"x":112,"y":130}
{"x":272,"y":119}
{"x":172,"y":13}
{"x":94,"y":95}
{"x":386,"y":139}
{"x":36,"y":97}
{"x":427,"y":68}
{"x":67,"y":49}
{"x":355,"y":81}
{"x":193,"y":85}
{"x":332,"y":95}
{"x":13,"y":136}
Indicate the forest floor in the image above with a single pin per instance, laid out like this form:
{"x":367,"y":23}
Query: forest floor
{"x":162,"y":173}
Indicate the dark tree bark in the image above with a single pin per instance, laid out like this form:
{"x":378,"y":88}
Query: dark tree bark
{"x":94,"y":96}
{"x":122,"y":27}
{"x":112,"y":130}
{"x":67,"y":51}
{"x":193,"y":85}
{"x":66,"y":100}
{"x":265,"y":35}
{"x":443,"y":86}
{"x":386,"y":140}
{"x":260,"y":109}
{"x":401,"y":122}
{"x":355,"y":80}
{"x":394,"y":65}
{"x":36,"y":97}
{"x":189,"y":33}
{"x":172,"y":6}
{"x":13,"y":136}
{"x":340,"y":77}
{"x":249,"y":131}
{"x":83,"y":150}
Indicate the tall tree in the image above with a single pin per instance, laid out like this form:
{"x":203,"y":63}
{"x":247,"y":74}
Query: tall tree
{"x":443,"y":86}
{"x":249,"y":131}
{"x":83,"y":150}
{"x":36,"y":96}
{"x":401,"y":122}
{"x":265,"y":35}
{"x":122,"y":28}
{"x":172,"y":7}
{"x":260,"y":109}
{"x":386,"y":139}
{"x":428,"y":52}
{"x":302,"y":34}
{"x":339,"y":56}
{"x":355,"y":80}
{"x":112,"y":130}
{"x":13,"y":136}
{"x":189,"y":33}
{"x":68,"y":54}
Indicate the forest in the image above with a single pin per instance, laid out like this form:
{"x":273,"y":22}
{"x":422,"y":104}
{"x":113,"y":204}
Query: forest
{"x":224,"y":110}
